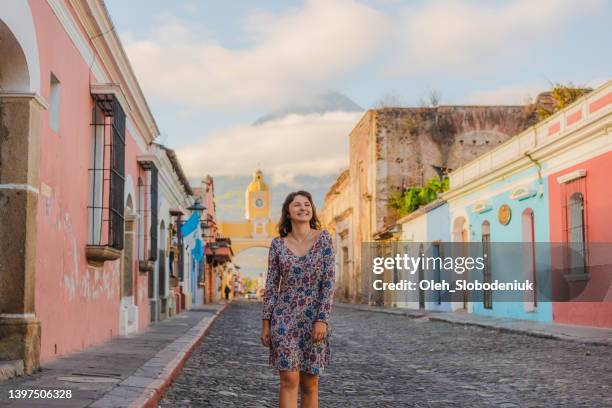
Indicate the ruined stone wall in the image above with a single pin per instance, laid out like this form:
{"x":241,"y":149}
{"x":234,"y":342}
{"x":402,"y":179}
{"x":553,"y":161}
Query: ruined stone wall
{"x":414,"y":144}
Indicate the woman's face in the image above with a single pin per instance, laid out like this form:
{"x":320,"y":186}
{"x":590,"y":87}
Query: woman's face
{"x":300,"y":209}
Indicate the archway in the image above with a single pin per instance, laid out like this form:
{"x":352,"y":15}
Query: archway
{"x":253,"y":264}
{"x":20,"y":119}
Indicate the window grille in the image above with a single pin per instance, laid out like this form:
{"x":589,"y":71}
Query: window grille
{"x":575,"y":226}
{"x":487,"y":300}
{"x":107,"y":173}
{"x":148,"y":212}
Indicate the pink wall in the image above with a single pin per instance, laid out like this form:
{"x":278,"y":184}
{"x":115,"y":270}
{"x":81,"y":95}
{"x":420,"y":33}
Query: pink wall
{"x":78,"y":305}
{"x":599,"y":230}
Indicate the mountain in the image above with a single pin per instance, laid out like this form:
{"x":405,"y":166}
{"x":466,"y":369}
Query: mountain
{"x":330,"y":101}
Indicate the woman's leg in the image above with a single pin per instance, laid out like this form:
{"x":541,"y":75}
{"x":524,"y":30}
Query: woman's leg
{"x":309,"y":385}
{"x":288,"y":395}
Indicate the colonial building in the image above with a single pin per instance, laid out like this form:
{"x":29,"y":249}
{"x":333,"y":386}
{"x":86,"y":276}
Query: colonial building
{"x":211,"y":274}
{"x":85,"y":198}
{"x":547,"y":185}
{"x":395,"y":148}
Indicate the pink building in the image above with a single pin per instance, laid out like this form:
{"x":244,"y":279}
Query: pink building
{"x":580,"y":205}
{"x":78,"y":188}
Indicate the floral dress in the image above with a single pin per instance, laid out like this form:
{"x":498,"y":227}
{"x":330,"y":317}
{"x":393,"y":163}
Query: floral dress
{"x":299,"y":291}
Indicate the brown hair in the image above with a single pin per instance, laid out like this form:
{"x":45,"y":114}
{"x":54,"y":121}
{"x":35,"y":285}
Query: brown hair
{"x":284,"y":225}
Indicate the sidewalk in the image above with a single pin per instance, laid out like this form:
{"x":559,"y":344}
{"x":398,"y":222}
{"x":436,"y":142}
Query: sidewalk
{"x":579,"y":334}
{"x":129,"y":371}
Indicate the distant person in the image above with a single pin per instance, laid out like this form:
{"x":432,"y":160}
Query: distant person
{"x":295,"y":324}
{"x":227,"y":292}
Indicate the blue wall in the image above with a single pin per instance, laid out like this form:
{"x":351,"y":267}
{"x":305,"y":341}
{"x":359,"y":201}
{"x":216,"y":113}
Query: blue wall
{"x":504,"y":266}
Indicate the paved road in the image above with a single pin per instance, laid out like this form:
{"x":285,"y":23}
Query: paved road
{"x":383,"y":360}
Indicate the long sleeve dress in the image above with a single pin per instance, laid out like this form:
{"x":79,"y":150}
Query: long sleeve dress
{"x":299,"y":291}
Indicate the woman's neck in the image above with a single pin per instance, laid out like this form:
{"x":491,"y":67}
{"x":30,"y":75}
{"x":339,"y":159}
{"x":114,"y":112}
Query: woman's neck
{"x":300,"y":229}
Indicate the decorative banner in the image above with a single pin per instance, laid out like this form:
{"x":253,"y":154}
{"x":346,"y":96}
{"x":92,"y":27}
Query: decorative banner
{"x":191,"y":224}
{"x":198,"y":251}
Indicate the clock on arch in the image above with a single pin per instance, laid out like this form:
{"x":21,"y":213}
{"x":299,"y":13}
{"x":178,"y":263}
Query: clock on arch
{"x":259,"y":202}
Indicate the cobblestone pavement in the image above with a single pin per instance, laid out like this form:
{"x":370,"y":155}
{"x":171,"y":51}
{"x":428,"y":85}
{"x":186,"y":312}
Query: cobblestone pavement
{"x":381,"y":360}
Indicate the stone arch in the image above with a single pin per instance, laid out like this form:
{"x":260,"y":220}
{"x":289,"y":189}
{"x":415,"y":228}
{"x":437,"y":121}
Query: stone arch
{"x":20,"y":118}
{"x":19,"y":65}
{"x":238,"y":247}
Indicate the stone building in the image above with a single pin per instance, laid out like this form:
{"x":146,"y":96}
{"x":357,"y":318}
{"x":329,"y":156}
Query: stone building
{"x":395,"y":148}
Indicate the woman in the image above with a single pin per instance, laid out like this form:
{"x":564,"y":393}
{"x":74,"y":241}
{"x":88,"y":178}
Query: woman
{"x":297,"y":301}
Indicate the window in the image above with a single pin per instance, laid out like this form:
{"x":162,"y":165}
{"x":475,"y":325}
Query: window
{"x":529,"y":258}
{"x":487,"y":299}
{"x":576,"y":234}
{"x":54,"y":103}
{"x":148,"y":213}
{"x":107,"y":173}
{"x":141,"y":220}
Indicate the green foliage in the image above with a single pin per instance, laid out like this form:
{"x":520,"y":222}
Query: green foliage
{"x":412,"y":198}
{"x":563,"y":95}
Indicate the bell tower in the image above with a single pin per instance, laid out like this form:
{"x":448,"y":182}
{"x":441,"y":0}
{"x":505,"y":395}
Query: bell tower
{"x":257,"y":201}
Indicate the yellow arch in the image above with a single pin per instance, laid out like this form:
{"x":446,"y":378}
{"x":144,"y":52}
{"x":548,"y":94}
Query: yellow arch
{"x":246,"y":234}
{"x":239,"y":245}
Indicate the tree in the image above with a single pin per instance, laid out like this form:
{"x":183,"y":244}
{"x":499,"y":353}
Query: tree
{"x":410,"y":199}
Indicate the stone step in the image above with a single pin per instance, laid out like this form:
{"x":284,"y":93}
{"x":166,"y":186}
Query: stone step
{"x":10,"y":369}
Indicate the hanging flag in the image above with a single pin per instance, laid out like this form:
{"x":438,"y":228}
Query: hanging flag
{"x":191,"y":225}
{"x":198,"y":250}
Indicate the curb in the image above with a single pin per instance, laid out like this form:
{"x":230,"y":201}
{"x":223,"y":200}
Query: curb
{"x":524,"y":332}
{"x":439,"y":317}
{"x":156,"y":389}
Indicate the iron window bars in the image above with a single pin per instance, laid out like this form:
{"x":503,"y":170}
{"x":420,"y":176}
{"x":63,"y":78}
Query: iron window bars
{"x":150,"y":195}
{"x":107,"y":173}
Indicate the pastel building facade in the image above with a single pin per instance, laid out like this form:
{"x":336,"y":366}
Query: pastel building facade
{"x":425,"y":231}
{"x":80,"y":202}
{"x":547,"y":186}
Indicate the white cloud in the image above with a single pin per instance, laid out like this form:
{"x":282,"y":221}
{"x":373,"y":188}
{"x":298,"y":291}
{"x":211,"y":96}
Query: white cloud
{"x":315,"y":145}
{"x":293,"y":52}
{"x":445,"y":35}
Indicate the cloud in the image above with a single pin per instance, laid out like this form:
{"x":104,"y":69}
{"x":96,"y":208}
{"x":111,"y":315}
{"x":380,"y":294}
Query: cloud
{"x":314,"y":145}
{"x":474,"y":37}
{"x":292,"y":52}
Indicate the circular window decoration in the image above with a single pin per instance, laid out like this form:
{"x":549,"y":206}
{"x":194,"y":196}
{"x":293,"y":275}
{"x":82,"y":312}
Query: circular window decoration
{"x":504,"y":214}
{"x":259,"y":203}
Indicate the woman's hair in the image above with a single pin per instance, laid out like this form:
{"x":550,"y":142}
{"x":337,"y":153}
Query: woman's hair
{"x":284,"y":225}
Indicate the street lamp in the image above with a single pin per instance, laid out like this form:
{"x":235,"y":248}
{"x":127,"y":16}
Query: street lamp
{"x":197,"y":206}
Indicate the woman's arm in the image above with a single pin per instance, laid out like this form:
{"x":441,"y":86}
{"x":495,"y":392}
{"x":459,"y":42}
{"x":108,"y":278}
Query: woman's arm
{"x":328,"y":278}
{"x":272,"y":281}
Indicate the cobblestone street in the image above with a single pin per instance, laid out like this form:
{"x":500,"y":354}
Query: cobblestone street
{"x":383,"y":360}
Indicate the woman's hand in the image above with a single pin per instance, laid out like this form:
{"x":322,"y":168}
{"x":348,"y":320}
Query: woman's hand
{"x":319,"y":329}
{"x":265,"y":333}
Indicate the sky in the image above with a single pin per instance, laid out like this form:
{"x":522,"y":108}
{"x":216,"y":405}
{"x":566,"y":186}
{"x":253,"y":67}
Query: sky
{"x":210,"y":69}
